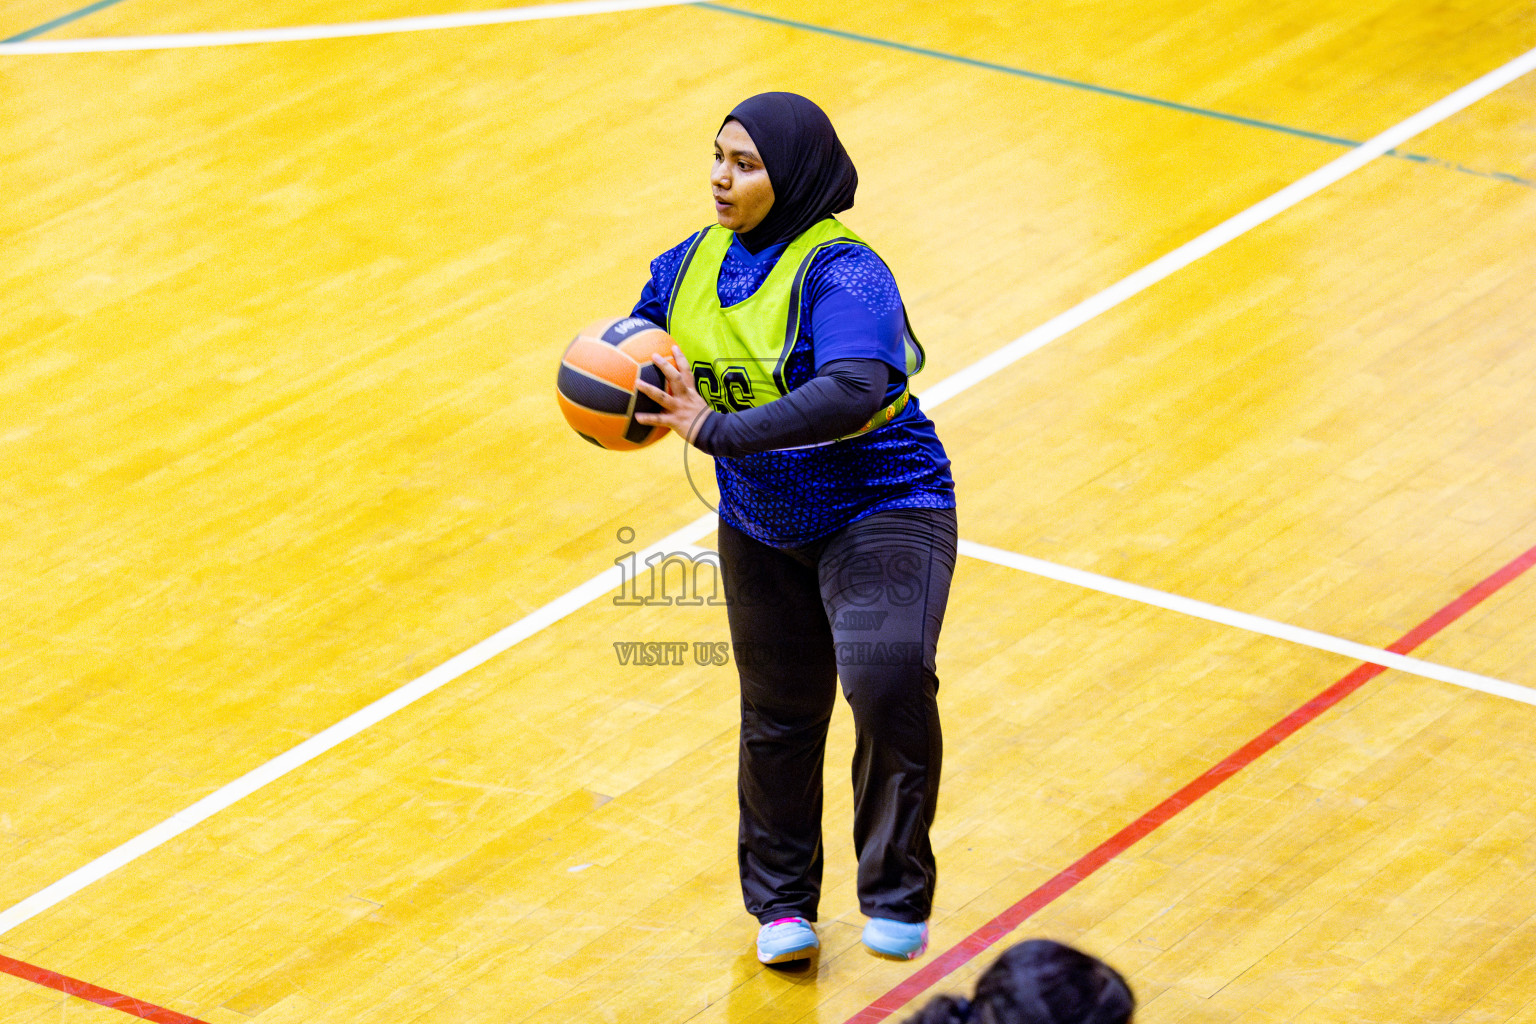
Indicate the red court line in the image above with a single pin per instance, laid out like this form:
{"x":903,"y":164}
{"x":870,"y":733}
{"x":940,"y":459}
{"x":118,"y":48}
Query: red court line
{"x":1000,"y":926}
{"x":101,"y":996}
{"x":994,"y":930}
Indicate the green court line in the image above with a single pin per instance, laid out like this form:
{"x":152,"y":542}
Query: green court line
{"x":57,"y":22}
{"x":1101,"y":90}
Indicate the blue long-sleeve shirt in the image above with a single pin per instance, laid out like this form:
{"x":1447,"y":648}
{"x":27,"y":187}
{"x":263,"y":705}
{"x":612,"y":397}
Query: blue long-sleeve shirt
{"x":851,"y":312}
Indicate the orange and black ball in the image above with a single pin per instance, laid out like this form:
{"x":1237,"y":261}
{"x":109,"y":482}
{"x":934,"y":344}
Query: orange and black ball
{"x":596,"y":386}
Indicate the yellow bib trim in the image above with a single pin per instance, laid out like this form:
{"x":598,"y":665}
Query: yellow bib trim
{"x":738,"y":353}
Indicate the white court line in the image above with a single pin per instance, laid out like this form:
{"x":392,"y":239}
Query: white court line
{"x":301,"y":33}
{"x":1227,"y":230}
{"x":1226,"y":617}
{"x":573,"y":600}
{"x":1252,"y":623}
{"x":604,"y":582}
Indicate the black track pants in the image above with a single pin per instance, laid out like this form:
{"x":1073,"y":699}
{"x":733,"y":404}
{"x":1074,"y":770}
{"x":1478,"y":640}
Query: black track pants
{"x":864,"y":604}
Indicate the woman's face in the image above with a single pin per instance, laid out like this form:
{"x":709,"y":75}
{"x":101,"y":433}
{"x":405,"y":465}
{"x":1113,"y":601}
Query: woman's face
{"x":739,"y":181}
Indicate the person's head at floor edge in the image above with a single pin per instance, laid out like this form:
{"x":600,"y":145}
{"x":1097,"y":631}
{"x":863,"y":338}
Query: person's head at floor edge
{"x":1038,"y":982}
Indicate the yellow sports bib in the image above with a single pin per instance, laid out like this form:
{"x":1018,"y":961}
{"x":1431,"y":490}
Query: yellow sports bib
{"x":738,"y":353}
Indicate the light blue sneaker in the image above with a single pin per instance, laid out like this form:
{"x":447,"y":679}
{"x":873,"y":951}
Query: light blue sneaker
{"x":896,"y":940}
{"x":788,"y":938}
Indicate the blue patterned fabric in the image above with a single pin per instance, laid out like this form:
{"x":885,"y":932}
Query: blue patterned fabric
{"x":850,"y":309}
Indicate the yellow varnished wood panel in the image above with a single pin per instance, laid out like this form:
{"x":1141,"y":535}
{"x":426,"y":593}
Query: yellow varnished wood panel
{"x":1376,"y":867}
{"x":124,"y":473}
{"x":333,"y":418}
{"x":25,"y":15}
{"x":1496,"y":134}
{"x":1344,"y":70}
{"x":25,"y":1003}
{"x":444,"y":879}
{"x":278,"y":325}
{"x":156,"y":17}
{"x":1319,"y":423}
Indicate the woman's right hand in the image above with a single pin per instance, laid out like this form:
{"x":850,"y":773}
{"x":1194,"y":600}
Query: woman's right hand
{"x":683,"y":409}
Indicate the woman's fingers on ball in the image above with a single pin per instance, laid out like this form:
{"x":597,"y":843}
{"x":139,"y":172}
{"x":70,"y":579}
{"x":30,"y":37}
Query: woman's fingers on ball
{"x":669,"y":374}
{"x":667,"y":367}
{"x":678,"y":382}
{"x":652,"y":391}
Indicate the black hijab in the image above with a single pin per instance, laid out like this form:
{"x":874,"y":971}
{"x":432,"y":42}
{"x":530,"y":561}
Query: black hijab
{"x":811,"y":174}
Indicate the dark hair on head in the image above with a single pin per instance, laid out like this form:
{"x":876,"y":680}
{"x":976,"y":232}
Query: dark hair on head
{"x":1039,"y":982}
{"x":943,"y":1010}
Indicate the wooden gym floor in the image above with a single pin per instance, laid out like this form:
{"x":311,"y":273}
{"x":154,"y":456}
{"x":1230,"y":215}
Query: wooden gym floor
{"x":279,"y":321}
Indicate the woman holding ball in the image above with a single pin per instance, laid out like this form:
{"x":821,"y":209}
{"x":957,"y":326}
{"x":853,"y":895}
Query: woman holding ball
{"x":837,"y":517}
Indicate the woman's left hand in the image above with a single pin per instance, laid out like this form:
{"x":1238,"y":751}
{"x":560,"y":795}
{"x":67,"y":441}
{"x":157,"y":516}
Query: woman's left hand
{"x":682,"y":408}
